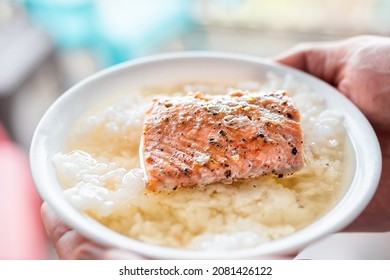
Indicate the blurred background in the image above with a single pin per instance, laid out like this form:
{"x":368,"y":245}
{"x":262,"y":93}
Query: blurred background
{"x":46,"y":46}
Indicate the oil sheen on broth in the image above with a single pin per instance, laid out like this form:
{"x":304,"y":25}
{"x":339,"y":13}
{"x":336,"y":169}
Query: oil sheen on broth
{"x":99,"y":170}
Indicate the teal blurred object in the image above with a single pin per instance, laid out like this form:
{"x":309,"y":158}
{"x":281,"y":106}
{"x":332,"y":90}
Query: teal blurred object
{"x":71,"y":23}
{"x":116,"y":29}
{"x":383,"y":10}
{"x":139,"y":27}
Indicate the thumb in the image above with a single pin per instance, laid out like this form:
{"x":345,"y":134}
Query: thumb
{"x":318,"y":59}
{"x":295,"y":57}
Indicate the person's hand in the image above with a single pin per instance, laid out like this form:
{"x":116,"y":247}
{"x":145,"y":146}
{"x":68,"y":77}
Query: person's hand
{"x":70,"y":245}
{"x":359,"y":68}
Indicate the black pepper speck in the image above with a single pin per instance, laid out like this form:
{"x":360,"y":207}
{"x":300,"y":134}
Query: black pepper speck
{"x":294,"y":151}
{"x":222,"y":132}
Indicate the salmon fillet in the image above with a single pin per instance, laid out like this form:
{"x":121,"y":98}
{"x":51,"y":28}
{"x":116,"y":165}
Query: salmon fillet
{"x":201,"y":139}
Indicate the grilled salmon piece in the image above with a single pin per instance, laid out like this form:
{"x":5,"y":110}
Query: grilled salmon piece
{"x":201,"y":139}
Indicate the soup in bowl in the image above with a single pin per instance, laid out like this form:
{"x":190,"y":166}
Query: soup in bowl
{"x":87,"y":163}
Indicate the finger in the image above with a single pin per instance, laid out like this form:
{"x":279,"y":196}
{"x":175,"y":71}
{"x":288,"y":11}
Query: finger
{"x":70,"y":245}
{"x":295,"y":57}
{"x":64,"y":239}
{"x":322,"y":60}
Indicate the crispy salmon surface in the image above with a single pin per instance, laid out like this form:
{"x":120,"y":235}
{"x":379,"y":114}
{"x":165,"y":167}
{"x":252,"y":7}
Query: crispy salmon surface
{"x":201,"y":139}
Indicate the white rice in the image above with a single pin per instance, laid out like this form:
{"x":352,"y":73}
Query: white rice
{"x":100,"y":173}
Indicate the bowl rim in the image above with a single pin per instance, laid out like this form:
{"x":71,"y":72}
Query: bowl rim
{"x":99,"y":233}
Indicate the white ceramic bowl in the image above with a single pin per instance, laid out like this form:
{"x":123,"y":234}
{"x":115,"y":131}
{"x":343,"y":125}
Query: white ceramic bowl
{"x":207,"y":67}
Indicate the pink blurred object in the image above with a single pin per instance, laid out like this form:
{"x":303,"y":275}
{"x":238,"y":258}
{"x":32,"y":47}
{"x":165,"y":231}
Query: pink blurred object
{"x":21,"y":231}
{"x":3,"y":135}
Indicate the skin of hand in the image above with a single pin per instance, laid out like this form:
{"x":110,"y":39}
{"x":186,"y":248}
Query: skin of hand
{"x":359,"y":68}
{"x":70,"y":245}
